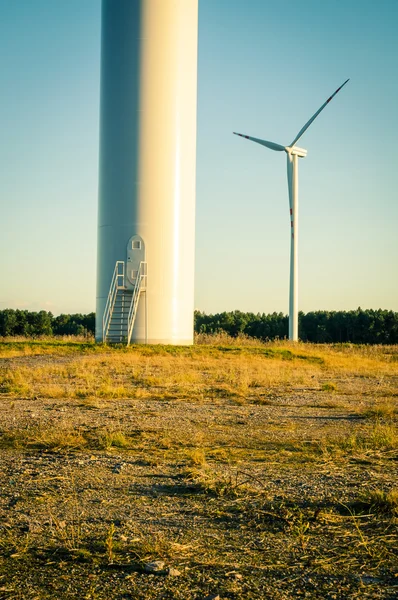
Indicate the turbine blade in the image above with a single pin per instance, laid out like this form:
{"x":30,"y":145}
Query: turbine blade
{"x":304,"y":129}
{"x":289,"y":164}
{"x":270,"y":145}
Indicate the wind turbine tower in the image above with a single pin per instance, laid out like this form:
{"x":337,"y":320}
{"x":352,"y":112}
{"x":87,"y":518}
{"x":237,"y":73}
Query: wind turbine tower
{"x":146,"y":216}
{"x":293,"y":153}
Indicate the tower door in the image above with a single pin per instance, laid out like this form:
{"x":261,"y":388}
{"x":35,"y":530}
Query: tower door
{"x":135,"y":255}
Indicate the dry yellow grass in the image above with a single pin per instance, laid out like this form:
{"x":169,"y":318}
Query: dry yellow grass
{"x":203,"y":371}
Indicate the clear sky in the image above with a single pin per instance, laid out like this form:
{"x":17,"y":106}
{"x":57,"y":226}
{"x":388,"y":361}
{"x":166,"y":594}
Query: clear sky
{"x":264,"y":68}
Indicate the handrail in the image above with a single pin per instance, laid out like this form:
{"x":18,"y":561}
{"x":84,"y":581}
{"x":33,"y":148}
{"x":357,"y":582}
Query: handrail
{"x":141,"y":275}
{"x":116,"y":284}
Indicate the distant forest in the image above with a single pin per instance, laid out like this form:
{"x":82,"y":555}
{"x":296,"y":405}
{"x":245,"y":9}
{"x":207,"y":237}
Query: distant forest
{"x":356,"y":326}
{"x":322,"y":326}
{"x":33,"y":324}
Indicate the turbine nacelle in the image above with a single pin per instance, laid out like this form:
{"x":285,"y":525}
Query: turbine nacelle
{"x":300,"y":152}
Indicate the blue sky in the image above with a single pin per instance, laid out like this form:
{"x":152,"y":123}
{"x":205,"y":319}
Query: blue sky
{"x":264,"y":68}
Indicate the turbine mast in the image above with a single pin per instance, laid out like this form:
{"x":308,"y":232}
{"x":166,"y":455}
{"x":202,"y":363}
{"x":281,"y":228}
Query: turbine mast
{"x":293,"y":155}
{"x":293,"y":308}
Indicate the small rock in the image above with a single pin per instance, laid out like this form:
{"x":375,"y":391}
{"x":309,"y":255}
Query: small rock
{"x":118,"y":468}
{"x":174,"y":572}
{"x":368,"y":579}
{"x":234,"y":575}
{"x":154,"y":567}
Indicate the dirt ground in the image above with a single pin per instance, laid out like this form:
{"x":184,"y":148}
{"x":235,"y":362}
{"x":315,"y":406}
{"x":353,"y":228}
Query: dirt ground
{"x":240,"y":472}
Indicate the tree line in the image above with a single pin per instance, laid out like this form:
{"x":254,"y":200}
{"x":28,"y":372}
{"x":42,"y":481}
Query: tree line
{"x":355,"y":326}
{"x":32,"y":324}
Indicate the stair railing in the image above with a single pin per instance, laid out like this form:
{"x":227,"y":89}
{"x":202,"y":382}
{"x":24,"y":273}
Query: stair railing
{"x":117,"y":283}
{"x":139,"y":286}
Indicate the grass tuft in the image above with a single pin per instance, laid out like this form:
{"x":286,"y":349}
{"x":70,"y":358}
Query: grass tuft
{"x":329,"y":387}
{"x":113,"y":439}
{"x":196,"y":457}
{"x":381,"y":411}
{"x":379,"y":502}
{"x":206,"y":479}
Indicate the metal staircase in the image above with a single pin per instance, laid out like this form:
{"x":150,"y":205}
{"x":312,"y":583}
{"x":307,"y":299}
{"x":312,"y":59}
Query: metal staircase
{"x":122,"y":304}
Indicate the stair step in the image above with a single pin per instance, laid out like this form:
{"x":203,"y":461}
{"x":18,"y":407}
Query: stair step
{"x":122,"y":313}
{"x":117,"y":332}
{"x":117,"y":335}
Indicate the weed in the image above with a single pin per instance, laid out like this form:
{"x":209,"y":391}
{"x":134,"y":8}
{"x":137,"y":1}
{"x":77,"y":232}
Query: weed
{"x":205,"y":479}
{"x":112,"y":391}
{"x":196,"y":457}
{"x":14,"y":382}
{"x":54,"y":391}
{"x":63,"y":438}
{"x":150,"y":546}
{"x":382,"y":436}
{"x":40,"y":438}
{"x":330,"y":404}
{"x":68,"y":531}
{"x":108,"y":439}
{"x":381,"y":411}
{"x":14,"y":545}
{"x":379,"y":501}
{"x":379,"y":437}
{"x":109,"y":543}
{"x":329,"y":387}
{"x":299,"y":527}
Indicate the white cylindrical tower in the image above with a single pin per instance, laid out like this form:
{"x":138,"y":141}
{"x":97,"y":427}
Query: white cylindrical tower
{"x":148,"y":160}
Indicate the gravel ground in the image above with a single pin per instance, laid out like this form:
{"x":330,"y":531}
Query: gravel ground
{"x":240,"y":501}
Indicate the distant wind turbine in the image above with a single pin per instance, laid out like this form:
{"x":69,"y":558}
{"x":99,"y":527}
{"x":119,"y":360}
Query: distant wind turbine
{"x":293,"y":154}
